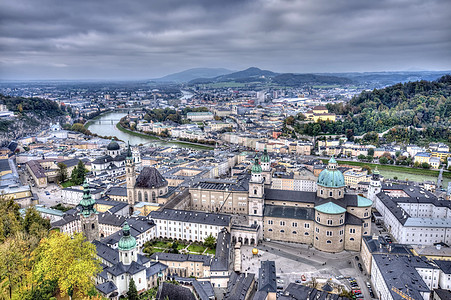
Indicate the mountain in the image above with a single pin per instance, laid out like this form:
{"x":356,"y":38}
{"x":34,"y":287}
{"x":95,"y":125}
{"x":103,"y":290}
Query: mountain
{"x":194,"y":73}
{"x":293,"y":80}
{"x":248,"y":75}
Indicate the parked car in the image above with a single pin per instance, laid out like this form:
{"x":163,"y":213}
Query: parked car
{"x":47,"y":193}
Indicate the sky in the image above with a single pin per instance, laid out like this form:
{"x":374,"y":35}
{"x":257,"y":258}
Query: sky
{"x":134,"y":39}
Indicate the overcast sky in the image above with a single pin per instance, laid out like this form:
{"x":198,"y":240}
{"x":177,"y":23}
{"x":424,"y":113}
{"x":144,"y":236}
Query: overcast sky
{"x":133,"y":39}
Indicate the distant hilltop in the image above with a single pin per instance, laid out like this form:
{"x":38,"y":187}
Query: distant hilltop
{"x":191,"y":74}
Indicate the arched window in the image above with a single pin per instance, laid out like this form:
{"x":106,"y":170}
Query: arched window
{"x":255,"y":192}
{"x":306,"y":233}
{"x":154,"y":198}
{"x":329,"y":242}
{"x":294,"y":232}
{"x":351,"y":239}
{"x":140,"y":199}
{"x":146,"y":196}
{"x":93,"y":226}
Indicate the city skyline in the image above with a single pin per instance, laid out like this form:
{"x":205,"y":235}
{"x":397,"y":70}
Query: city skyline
{"x":143,"y":40}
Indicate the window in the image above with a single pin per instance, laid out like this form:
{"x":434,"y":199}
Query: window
{"x":330,"y":194}
{"x":329,"y":222}
{"x":329,"y":242}
{"x":306,"y":225}
{"x":318,"y":219}
{"x":341,"y":232}
{"x":294,"y":224}
{"x":269,"y":229}
{"x":329,"y":233}
{"x":365,"y":214}
{"x":341,"y":221}
{"x":282,"y":223}
{"x":352,"y":230}
{"x":282,"y":231}
{"x":321,"y":192}
{"x":317,"y":230}
{"x":294,"y":232}
{"x":306,"y":233}
{"x":351,"y":239}
{"x":339,"y":193}
{"x":270,"y":222}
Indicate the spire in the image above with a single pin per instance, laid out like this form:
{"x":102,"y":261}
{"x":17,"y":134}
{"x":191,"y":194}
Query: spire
{"x":129,"y":152}
{"x":87,"y":203}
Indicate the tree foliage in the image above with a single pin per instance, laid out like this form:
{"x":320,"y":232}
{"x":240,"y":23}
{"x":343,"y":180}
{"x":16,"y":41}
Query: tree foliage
{"x":132,"y":292}
{"x":210,"y":241}
{"x":78,"y":173}
{"x":70,"y":262}
{"x":62,"y":172}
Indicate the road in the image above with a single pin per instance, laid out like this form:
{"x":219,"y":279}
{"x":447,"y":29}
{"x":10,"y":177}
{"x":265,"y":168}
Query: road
{"x":53,"y":189}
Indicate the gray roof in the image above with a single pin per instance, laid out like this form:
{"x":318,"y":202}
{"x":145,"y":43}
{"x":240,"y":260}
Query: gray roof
{"x":206,"y":260}
{"x":444,"y":265}
{"x":238,"y":286}
{"x":150,"y":178}
{"x":4,"y":165}
{"x":191,"y":217}
{"x":112,"y":255}
{"x":380,"y":245}
{"x":116,"y":191}
{"x":221,"y":259}
{"x":289,"y":212}
{"x":400,"y":272}
{"x":155,"y":268}
{"x":267,"y":276}
{"x":174,"y":292}
{"x":204,"y":289}
{"x":106,"y":287}
{"x":301,"y":292}
{"x":443,"y":294}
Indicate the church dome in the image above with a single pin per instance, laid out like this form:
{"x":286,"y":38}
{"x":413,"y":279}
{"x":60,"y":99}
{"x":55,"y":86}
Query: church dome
{"x":331,"y":177}
{"x":150,"y":178}
{"x":127,"y":242}
{"x":113,"y":145}
{"x":256,"y":167}
{"x":265,"y":157}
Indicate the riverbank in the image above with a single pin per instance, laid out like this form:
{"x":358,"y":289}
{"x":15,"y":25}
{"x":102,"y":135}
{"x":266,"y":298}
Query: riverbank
{"x":91,"y":121}
{"x":408,"y":170}
{"x":153,"y":137}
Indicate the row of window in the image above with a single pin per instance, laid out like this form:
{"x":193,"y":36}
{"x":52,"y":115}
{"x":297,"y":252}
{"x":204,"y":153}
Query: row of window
{"x":293,"y":224}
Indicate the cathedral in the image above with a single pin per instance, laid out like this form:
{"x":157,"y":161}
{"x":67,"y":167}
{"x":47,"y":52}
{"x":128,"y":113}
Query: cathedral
{"x":329,"y":219}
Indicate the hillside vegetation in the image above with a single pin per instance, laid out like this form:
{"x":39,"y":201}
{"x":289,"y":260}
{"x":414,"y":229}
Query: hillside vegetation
{"x":419,"y":109}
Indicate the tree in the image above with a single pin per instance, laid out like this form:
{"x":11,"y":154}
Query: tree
{"x":78,"y":173}
{"x":361,"y":157}
{"x":367,"y":168}
{"x":132,"y":293}
{"x":425,"y":165}
{"x":62,"y":171}
{"x":210,"y":241}
{"x":12,"y":256}
{"x":371,"y":151}
{"x":70,"y":261}
{"x":383,"y":160}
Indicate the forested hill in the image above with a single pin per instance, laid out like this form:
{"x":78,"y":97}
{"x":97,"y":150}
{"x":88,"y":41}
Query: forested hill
{"x":32,"y":115}
{"x":421,"y":104}
{"x":35,"y":105}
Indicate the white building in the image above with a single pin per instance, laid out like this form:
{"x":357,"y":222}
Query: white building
{"x":188,"y":225}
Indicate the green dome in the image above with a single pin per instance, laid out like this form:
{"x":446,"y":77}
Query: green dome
{"x":87,"y":203}
{"x":256,"y":168}
{"x":113,"y":145}
{"x":331,"y":177}
{"x":265,"y":157}
{"x":330,"y":208}
{"x":127,"y":242}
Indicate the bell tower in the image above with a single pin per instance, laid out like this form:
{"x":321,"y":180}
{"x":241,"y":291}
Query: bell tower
{"x":266,"y":167}
{"x":256,"y":194}
{"x":375,"y":186}
{"x":130,"y":177}
{"x":89,"y":219}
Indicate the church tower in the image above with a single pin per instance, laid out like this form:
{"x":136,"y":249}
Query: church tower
{"x":131,"y":178}
{"x":127,"y":246}
{"x":256,"y":194}
{"x":266,"y":167}
{"x":375,"y":186}
{"x":89,"y":219}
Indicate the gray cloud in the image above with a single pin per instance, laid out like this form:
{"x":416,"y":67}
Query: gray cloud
{"x":144,"y":39}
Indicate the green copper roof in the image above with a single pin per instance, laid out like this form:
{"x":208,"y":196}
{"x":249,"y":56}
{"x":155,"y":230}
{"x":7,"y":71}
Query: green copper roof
{"x":376,"y":171}
{"x":256,"y":168}
{"x":330,"y":208}
{"x":265,"y":157}
{"x":87,"y":203}
{"x":331,"y":177}
{"x":363,"y":202}
{"x":332,"y":160}
{"x":127,"y":242}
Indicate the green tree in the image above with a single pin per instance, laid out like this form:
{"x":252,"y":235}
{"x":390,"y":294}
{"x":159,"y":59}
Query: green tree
{"x":425,"y":165}
{"x":132,"y":293}
{"x":78,"y":173}
{"x":70,"y":261}
{"x":62,"y":171}
{"x":371,"y":151}
{"x":383,"y":160}
{"x":210,"y":241}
